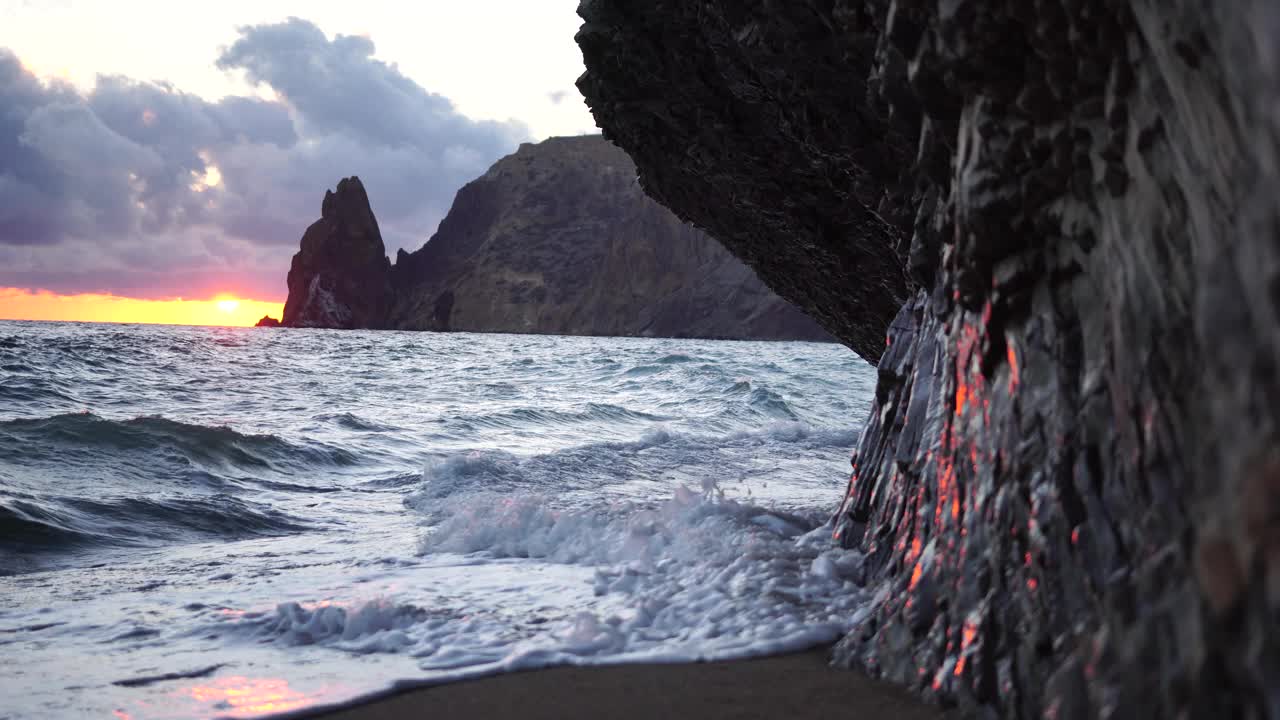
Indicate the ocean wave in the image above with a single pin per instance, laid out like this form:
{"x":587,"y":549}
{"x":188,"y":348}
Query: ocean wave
{"x":32,"y":390}
{"x":599,"y":465}
{"x":351,"y":421}
{"x":526,"y":526}
{"x":375,"y":626}
{"x":693,"y":577}
{"x":677,"y":358}
{"x":59,"y":523}
{"x":392,"y":482}
{"x":771,"y":404}
{"x":645,"y":370}
{"x":31,"y":439}
{"x":537,"y":417}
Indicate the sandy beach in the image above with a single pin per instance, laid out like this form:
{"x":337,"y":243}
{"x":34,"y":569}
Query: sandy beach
{"x":788,"y":686}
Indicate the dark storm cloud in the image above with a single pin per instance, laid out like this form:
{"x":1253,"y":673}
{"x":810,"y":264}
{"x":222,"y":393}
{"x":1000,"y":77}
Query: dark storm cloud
{"x":140,"y":187}
{"x":338,"y":88}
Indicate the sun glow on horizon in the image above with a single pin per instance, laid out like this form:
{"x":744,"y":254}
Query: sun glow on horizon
{"x":224,"y":309}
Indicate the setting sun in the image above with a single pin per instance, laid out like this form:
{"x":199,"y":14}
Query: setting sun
{"x":228,"y":310}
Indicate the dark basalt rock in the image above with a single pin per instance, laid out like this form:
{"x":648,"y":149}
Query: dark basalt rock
{"x":267,"y":321}
{"x":341,"y":277}
{"x":556,"y":238}
{"x":774,"y":152}
{"x":1069,"y":486}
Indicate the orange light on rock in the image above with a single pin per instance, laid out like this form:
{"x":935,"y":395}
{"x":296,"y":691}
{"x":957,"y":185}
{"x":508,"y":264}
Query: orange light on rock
{"x":1014,"y":378}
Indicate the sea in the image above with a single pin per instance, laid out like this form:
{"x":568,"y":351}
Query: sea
{"x":249,"y":522}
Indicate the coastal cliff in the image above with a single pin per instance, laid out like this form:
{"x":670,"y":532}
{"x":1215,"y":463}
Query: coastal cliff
{"x":1068,"y":488}
{"x":557,"y":238}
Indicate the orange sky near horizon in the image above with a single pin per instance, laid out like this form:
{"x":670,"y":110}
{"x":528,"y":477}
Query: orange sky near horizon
{"x":225,"y":310}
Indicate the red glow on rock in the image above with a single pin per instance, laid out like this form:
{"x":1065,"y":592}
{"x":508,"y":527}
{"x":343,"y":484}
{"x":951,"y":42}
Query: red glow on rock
{"x":1014,"y":378}
{"x":962,"y":397}
{"x":946,"y":476}
{"x":915,"y":576}
{"x":968,"y":635}
{"x":1032,"y":584}
{"x":1075,"y":536}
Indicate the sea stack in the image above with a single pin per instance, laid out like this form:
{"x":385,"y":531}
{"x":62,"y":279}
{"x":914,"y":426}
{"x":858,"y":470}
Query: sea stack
{"x":341,"y":277}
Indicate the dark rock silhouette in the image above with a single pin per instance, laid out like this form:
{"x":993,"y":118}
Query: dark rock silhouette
{"x":1069,"y":485}
{"x":341,"y":277}
{"x":267,"y":321}
{"x":556,"y":238}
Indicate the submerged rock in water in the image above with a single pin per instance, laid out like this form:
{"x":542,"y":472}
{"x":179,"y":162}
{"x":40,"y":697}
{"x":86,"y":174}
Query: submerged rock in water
{"x":267,"y":321}
{"x":1070,"y":480}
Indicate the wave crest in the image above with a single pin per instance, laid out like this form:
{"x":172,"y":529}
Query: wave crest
{"x":32,"y":439}
{"x":65,"y":523}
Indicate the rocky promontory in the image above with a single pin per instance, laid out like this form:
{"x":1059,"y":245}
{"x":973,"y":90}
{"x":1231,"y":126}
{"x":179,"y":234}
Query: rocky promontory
{"x":341,"y":277}
{"x":1068,"y":489}
{"x":556,"y":238}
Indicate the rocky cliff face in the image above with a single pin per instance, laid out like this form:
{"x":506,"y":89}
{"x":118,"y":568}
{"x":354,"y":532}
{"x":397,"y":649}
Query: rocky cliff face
{"x":341,"y":278}
{"x":557,"y":238}
{"x":560,"y":238}
{"x":1069,"y":486}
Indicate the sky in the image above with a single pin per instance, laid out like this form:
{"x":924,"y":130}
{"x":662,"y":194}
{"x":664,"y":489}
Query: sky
{"x":157,"y":150}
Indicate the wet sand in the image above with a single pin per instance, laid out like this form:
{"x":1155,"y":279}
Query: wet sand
{"x":787,"y":686}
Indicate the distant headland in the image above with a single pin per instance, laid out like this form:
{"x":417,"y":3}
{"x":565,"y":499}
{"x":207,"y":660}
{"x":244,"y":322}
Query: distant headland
{"x":557,"y":238}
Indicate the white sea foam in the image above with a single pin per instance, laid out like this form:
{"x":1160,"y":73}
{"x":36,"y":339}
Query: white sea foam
{"x":696,"y":577}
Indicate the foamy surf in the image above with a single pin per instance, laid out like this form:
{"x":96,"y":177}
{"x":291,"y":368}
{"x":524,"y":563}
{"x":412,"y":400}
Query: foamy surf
{"x":411,"y":509}
{"x":698,"y":577}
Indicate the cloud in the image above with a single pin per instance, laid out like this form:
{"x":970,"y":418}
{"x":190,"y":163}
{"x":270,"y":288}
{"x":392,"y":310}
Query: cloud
{"x":558,"y":96}
{"x":142,"y":188}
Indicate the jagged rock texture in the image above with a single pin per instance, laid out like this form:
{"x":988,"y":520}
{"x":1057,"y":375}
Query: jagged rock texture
{"x":559,"y":238}
{"x":1069,"y":485}
{"x":556,"y":238}
{"x":762,"y":146}
{"x":340,"y":278}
